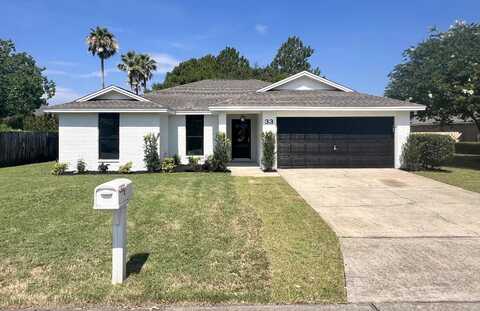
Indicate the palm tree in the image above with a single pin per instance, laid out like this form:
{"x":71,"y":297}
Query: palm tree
{"x":147,"y":65}
{"x":132,"y":66}
{"x":102,"y":42}
{"x":139,"y":69}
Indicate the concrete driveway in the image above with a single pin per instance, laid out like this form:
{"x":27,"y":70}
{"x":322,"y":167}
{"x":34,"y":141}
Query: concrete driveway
{"x":403,"y":237}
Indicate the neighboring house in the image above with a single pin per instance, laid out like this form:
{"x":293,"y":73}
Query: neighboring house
{"x":318,"y":123}
{"x":468,"y":128}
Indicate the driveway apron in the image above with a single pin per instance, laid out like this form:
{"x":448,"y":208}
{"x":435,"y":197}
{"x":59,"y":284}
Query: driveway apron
{"x":404,"y":237}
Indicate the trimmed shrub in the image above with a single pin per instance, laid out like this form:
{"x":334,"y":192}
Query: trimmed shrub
{"x":103,"y":167}
{"x":125,"y":169}
{"x":193,"y":163}
{"x":268,"y":151}
{"x":176,"y":159}
{"x":150,"y":151}
{"x":168,"y":165}
{"x":207,"y":164}
{"x":81,"y":166}
{"x":59,"y":168}
{"x":222,"y":153}
{"x":467,"y":148}
{"x":427,"y":151}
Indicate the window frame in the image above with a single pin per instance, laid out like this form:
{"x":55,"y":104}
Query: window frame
{"x":189,"y":136}
{"x":115,"y":137}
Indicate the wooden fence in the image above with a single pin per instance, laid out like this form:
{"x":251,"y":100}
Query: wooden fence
{"x":27,"y":147}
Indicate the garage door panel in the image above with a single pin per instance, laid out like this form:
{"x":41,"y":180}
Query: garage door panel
{"x":335,"y":142}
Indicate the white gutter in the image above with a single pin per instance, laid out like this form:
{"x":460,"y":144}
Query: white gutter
{"x":105,"y":110}
{"x":293,"y":108}
{"x":192,"y":112}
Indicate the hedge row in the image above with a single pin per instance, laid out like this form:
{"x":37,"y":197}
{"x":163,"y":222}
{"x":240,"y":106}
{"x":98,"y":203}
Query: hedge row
{"x":427,"y":151}
{"x":467,"y":148}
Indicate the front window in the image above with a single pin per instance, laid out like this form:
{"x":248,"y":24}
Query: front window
{"x":108,"y":140}
{"x":194,"y":128}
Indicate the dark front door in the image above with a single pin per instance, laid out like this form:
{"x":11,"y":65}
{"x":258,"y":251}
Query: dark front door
{"x":241,"y":132}
{"x":335,"y":142}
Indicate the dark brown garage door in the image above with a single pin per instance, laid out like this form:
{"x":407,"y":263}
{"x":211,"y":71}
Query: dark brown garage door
{"x":335,"y":142}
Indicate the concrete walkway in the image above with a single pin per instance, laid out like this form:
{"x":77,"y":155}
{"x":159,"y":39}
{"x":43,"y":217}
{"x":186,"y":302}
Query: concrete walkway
{"x":403,"y":237}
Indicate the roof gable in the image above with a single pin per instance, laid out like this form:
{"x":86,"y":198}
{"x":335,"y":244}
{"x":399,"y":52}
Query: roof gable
{"x":112,"y":93}
{"x":305,"y":81}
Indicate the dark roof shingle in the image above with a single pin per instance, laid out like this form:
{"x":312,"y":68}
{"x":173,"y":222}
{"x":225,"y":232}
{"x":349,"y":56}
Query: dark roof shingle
{"x":314,"y":99}
{"x":200,"y":95}
{"x":109,"y":104}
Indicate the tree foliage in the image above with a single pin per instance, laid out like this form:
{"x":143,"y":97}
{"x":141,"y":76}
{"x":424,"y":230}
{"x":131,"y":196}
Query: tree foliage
{"x":23,"y":88}
{"x":292,"y":57}
{"x":102,"y":42}
{"x":139,"y":69}
{"x":443,"y":73}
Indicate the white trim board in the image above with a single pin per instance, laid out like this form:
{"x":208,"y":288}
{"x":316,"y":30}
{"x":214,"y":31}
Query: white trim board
{"x":308,"y":75}
{"x":109,"y":89}
{"x":293,"y":108}
{"x":105,"y":110}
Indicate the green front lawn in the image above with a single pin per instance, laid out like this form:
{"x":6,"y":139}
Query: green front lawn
{"x":463,"y":172}
{"x":206,"y":238}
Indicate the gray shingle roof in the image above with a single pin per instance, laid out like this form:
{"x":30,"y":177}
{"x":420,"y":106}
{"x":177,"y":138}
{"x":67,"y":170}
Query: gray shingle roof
{"x":216,"y":87}
{"x":109,"y":104}
{"x":314,"y":99}
{"x":200,"y":95}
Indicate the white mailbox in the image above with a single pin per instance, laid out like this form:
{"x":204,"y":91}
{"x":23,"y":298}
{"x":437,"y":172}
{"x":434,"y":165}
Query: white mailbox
{"x":113,"y":195}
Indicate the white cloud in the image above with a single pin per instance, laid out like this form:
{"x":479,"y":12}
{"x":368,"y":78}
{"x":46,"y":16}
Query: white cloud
{"x":62,"y":63}
{"x":55,"y":72}
{"x":165,"y":62}
{"x":177,"y":45}
{"x":261,"y":29}
{"x":93,"y":74}
{"x":63,"y":95}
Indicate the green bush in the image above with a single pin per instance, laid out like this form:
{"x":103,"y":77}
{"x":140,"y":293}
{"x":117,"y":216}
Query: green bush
{"x":221,"y":153}
{"x":427,"y":151}
{"x":59,"y":168}
{"x":168,"y":165}
{"x":268,"y":151}
{"x":176,"y":159}
{"x":467,"y":147}
{"x":193,"y":163}
{"x":208,"y":164}
{"x":5,"y":128}
{"x":125,"y":169}
{"x":81,"y":166}
{"x":43,"y":123}
{"x":150,"y":151}
{"x":103,"y":167}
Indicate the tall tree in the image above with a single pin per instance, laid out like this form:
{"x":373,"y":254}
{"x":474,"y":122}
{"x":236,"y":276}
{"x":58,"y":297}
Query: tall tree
{"x":191,"y":70}
{"x":147,"y":67}
{"x":443,"y":73}
{"x":102,"y":42}
{"x":292,"y":57}
{"x":23,"y":87}
{"x":232,"y":65}
{"x":131,"y":64}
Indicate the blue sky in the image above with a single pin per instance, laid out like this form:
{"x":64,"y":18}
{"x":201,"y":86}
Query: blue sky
{"x":356,"y":43}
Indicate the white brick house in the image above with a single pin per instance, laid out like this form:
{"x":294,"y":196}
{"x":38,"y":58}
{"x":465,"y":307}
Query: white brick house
{"x":318,"y":123}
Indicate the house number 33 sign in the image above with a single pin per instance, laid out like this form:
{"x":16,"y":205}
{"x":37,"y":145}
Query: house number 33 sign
{"x":268,"y":121}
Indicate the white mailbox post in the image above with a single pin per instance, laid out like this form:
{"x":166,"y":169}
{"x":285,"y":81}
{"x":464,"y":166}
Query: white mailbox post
{"x":114,"y":196}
